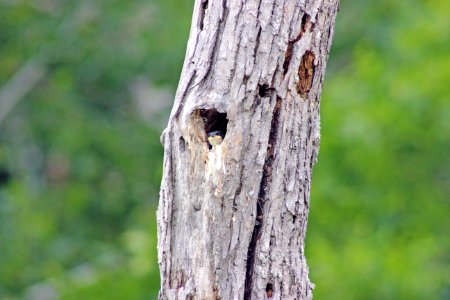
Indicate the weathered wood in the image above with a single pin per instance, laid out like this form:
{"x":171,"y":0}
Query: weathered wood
{"x":232,"y":217}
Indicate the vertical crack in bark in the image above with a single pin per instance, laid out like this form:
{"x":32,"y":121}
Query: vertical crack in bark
{"x":265,"y":181}
{"x":305,"y":25}
{"x":257,"y":41}
{"x":184,"y":91}
{"x":203,"y":8}
{"x":288,"y":56}
{"x":218,"y":36}
{"x":172,"y":177}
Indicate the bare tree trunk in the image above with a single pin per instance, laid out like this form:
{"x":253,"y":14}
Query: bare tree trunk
{"x":232,"y":216}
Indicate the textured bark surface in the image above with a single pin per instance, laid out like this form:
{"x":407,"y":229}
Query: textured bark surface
{"x":232,"y":219}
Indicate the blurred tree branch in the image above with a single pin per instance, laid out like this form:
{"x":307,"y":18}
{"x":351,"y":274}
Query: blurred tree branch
{"x":23,"y":81}
{"x":35,"y":68}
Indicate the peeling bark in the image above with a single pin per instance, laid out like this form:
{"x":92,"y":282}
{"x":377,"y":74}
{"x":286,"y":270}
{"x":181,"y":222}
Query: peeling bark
{"x":232,"y":216}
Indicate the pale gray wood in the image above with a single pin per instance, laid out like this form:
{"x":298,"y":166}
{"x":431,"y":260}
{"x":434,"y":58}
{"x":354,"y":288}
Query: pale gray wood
{"x":232,"y":219}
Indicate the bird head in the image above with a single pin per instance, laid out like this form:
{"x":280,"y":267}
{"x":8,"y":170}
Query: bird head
{"x":215,"y":137}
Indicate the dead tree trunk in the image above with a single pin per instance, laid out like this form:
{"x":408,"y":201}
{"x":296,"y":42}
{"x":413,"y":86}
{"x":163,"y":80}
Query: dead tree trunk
{"x":232,"y":215}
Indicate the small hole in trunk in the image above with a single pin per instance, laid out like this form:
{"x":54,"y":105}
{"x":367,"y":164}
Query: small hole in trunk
{"x":269,"y":290}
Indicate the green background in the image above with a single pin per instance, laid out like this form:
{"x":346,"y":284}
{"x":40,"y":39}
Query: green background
{"x":80,"y":165}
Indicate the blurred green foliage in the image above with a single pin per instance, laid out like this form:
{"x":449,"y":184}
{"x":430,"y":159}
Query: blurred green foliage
{"x":80,"y":168}
{"x":380,"y":198}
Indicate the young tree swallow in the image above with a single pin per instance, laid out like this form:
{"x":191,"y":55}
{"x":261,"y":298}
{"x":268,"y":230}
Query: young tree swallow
{"x":215,"y":138}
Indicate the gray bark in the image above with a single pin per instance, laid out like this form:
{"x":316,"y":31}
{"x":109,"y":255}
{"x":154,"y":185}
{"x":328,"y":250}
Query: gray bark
{"x":232,"y":219}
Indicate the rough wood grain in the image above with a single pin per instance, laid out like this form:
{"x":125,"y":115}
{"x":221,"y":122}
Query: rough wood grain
{"x":232,"y":219}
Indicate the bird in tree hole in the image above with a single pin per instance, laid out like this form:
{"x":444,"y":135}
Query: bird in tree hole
{"x":215,"y":138}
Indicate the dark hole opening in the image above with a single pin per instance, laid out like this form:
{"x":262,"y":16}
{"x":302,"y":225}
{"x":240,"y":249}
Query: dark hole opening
{"x":269,"y":290}
{"x":215,"y":123}
{"x":264,"y":90}
{"x":305,"y":21}
{"x":204,"y":4}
